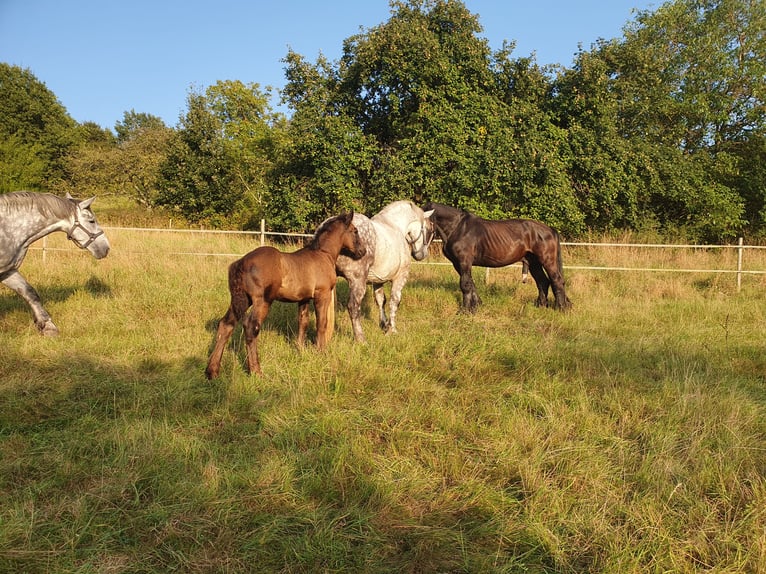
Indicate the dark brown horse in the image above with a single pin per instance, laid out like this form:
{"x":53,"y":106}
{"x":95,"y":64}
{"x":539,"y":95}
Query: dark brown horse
{"x":469,"y":240}
{"x":266,"y":275}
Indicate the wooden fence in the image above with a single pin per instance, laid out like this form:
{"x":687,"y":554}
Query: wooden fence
{"x":262,"y":236}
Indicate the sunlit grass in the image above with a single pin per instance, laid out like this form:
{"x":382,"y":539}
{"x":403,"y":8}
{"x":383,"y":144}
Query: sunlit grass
{"x":624,"y":436}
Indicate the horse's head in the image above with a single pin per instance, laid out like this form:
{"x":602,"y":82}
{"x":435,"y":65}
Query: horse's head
{"x":352,"y":243}
{"x":341,"y":230}
{"x":420,"y":233}
{"x":86,"y":232}
{"x":444,"y":217}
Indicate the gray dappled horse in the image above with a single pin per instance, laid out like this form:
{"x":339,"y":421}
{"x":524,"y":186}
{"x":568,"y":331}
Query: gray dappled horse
{"x":26,"y":217}
{"x":399,"y":231}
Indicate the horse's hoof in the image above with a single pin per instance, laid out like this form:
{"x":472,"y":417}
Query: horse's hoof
{"x":48,"y":329}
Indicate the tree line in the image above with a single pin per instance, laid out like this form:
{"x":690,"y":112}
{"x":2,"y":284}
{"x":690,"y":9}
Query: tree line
{"x":659,"y":131}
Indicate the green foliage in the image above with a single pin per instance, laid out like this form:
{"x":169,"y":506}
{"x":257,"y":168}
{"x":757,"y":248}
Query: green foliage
{"x":219,"y":156}
{"x":22,"y":166}
{"x":609,"y":144}
{"x":660,"y":129}
{"x":133,"y":123}
{"x":31,"y":118}
{"x":750,"y":179}
{"x":126,"y":165}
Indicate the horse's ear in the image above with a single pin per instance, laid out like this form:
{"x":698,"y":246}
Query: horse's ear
{"x":348,"y":217}
{"x":85,"y":204}
{"x":69,"y":195}
{"x":428,"y":213}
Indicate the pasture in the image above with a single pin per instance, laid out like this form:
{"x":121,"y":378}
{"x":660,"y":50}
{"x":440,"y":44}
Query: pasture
{"x":628,"y":435}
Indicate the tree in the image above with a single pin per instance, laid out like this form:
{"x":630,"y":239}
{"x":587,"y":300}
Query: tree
{"x":133,"y":123}
{"x":325,"y":159}
{"x":37,"y":125}
{"x":433,"y":114}
{"x":126,"y":165}
{"x":659,"y":122}
{"x":218,"y":158}
{"x":21,"y":165}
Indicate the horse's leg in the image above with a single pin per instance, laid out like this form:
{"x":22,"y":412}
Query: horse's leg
{"x":397,"y":285}
{"x":471,"y":299}
{"x":357,"y":288}
{"x":225,"y":329}
{"x":524,"y":270}
{"x":325,"y":314}
{"x":557,"y":285}
{"x":303,"y":322}
{"x":378,"y":290}
{"x":541,"y":279}
{"x":252,"y":327}
{"x":331,"y":314}
{"x":43,"y":321}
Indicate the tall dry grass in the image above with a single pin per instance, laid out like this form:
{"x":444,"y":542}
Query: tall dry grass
{"x":625,"y":436}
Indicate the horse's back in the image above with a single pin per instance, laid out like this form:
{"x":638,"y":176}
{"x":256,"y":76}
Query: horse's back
{"x":256,"y":270}
{"x":503,"y":242}
{"x":290,"y":277}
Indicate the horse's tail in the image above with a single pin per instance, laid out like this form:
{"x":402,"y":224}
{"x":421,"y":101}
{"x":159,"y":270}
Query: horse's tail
{"x":240,"y":301}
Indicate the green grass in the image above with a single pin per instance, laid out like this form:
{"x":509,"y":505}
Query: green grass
{"x":626,"y":436}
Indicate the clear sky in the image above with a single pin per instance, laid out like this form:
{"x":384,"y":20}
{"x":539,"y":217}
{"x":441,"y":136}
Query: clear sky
{"x":102,"y":58}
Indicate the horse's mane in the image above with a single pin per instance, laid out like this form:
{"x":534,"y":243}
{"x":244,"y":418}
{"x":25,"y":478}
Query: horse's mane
{"x":45,"y":203}
{"x":397,"y":206}
{"x":453,"y":210}
{"x":314,"y":243}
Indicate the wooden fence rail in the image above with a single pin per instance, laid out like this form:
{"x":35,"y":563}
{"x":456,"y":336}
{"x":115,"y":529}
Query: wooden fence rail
{"x":262,"y":236}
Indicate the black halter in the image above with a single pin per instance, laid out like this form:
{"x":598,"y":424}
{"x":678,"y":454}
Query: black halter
{"x":422,"y":234}
{"x":91,"y":236}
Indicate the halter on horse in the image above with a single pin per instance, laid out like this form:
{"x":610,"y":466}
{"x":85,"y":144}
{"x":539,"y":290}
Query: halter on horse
{"x":26,"y":217}
{"x":397,"y":233}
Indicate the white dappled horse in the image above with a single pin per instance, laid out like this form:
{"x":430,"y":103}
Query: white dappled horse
{"x":26,"y":217}
{"x":392,"y":237}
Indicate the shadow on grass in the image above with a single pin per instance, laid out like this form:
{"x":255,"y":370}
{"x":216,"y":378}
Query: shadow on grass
{"x":46,"y":392}
{"x":158,"y":465}
{"x":283,"y":320}
{"x":11,"y":301}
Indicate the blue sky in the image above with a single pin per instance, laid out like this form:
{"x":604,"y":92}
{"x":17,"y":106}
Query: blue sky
{"x":102,"y":58}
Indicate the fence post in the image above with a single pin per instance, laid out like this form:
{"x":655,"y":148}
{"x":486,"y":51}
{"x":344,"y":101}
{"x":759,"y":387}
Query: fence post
{"x":739,"y":264}
{"x":263,"y":232}
{"x":45,"y":244}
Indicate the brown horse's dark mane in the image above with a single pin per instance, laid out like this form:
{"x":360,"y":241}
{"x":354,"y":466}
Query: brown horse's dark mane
{"x":323,"y":228}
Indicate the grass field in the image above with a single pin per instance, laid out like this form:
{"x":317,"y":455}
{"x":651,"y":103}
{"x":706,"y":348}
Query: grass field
{"x":625,"y":436}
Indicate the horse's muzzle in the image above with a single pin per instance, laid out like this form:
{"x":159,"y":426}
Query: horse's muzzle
{"x":99,"y":249}
{"x":420,"y":255}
